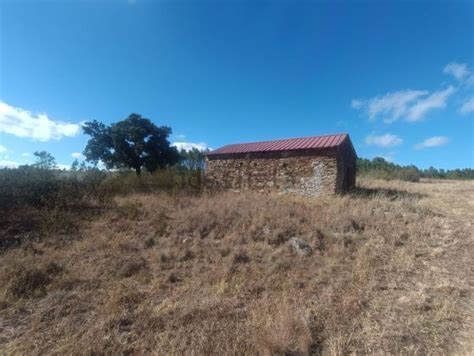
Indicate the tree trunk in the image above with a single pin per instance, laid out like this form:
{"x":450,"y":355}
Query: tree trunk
{"x":138,"y":171}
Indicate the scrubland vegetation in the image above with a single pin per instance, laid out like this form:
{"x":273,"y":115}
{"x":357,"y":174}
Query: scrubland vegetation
{"x":95,"y":263}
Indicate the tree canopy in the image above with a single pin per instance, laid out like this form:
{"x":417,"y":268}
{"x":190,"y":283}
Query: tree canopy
{"x":134,"y":143}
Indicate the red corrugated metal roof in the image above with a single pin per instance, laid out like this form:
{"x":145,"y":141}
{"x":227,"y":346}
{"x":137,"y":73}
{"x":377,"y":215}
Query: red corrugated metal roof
{"x":314,"y":142}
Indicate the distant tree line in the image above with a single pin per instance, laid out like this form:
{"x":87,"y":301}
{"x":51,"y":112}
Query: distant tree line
{"x":381,"y":168}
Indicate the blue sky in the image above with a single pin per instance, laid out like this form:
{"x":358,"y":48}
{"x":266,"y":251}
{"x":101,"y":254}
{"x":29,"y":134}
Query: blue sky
{"x":397,"y":76}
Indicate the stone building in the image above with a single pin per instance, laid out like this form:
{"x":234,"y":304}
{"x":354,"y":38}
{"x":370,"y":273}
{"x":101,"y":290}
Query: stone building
{"x":308,"y":166}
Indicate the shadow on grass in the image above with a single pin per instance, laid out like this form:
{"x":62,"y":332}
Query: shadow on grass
{"x":392,"y":194}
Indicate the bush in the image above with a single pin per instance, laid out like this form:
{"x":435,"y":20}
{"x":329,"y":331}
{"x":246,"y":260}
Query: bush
{"x":409,"y":175}
{"x":35,"y":187}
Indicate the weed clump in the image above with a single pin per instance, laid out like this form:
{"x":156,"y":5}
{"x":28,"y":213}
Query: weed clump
{"x":27,"y":281}
{"x":240,"y":257}
{"x":130,"y":268}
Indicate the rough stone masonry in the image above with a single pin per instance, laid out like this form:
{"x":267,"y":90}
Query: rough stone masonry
{"x":309,"y":166}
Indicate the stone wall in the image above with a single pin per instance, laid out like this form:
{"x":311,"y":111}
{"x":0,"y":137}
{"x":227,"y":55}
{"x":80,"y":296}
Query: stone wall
{"x":303,"y":173}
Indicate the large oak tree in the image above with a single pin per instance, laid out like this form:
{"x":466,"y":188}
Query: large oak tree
{"x":135,"y":143}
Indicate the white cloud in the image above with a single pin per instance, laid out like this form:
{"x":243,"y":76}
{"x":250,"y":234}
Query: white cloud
{"x":467,"y":107}
{"x":8,"y":164}
{"x":25,"y":154}
{"x":391,"y":106}
{"x":77,"y":155}
{"x":436,"y":100}
{"x":190,"y":145}
{"x":40,"y":127}
{"x":3,"y":149}
{"x":434,"y":141}
{"x":457,"y":70}
{"x":387,"y":140}
{"x":411,"y":105}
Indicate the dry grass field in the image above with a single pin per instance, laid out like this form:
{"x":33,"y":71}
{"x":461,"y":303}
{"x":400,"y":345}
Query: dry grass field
{"x":390,"y":271}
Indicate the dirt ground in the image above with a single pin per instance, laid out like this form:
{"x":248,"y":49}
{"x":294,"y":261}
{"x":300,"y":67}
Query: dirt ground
{"x":387,"y":268}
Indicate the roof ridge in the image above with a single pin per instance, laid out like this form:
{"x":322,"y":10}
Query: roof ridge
{"x":286,"y":139}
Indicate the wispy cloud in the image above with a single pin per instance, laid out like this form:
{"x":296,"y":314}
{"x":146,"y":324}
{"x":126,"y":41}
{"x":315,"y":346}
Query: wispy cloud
{"x":357,"y":104}
{"x":457,"y":70}
{"x":434,"y":141}
{"x":389,"y":107}
{"x":436,"y":100}
{"x":190,"y":145}
{"x":387,"y":140}
{"x":3,"y":149}
{"x":22,"y":123}
{"x":26,"y":154}
{"x":414,"y":105}
{"x":393,"y":106}
{"x":77,"y":155}
{"x":410,"y":105}
{"x":467,"y":107}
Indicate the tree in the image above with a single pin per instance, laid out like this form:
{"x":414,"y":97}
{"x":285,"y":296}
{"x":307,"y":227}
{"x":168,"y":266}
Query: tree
{"x":135,"y":143}
{"x":193,"y":159}
{"x":44,"y":160}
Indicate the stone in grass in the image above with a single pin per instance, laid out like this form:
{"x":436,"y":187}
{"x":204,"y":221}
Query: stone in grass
{"x":301,"y":247}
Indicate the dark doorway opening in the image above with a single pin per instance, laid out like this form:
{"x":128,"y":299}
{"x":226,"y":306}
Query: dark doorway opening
{"x":349,"y":178}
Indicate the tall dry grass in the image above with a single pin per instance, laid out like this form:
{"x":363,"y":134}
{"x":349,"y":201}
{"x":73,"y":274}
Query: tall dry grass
{"x":214,"y":274}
